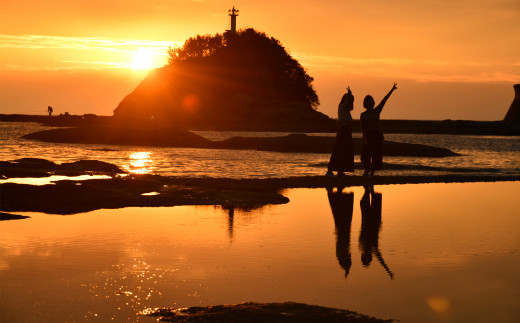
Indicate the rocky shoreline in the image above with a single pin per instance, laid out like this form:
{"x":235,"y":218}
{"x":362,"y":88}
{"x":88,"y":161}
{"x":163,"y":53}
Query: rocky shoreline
{"x":260,"y":313}
{"x":126,"y":190}
{"x":161,"y":137}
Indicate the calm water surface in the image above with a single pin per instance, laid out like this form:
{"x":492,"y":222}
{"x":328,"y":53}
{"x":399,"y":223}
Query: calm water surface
{"x":417,"y":253}
{"x":479,"y":154}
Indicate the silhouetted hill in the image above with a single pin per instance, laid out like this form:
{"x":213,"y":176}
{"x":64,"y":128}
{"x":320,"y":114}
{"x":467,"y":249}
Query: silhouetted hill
{"x":240,"y":81}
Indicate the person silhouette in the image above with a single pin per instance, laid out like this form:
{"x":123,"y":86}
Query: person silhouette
{"x":372,"y":153}
{"x":342,"y":157}
{"x":371,"y":205}
{"x":50,"y":110}
{"x":342,"y":205}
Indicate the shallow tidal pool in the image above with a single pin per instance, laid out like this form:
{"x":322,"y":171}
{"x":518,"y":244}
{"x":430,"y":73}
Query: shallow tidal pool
{"x":416,"y":253}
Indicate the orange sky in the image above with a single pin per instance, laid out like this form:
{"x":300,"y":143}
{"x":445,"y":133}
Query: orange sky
{"x":452,"y":59}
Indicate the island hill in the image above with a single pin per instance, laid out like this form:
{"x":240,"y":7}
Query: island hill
{"x":243,"y":81}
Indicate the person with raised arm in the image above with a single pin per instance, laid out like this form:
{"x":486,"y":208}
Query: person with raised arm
{"x":342,"y":157}
{"x":372,"y":154}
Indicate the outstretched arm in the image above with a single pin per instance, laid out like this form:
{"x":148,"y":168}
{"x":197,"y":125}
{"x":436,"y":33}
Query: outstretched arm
{"x":382,"y":104}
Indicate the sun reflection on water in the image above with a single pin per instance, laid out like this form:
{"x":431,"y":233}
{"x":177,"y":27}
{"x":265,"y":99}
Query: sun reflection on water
{"x":129,"y":288}
{"x":140,"y":163}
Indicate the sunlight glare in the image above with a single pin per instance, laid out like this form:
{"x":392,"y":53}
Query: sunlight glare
{"x":140,"y":163}
{"x":143,"y":59}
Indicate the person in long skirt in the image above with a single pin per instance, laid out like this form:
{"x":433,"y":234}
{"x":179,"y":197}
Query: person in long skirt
{"x":342,"y":157}
{"x":372,"y":154}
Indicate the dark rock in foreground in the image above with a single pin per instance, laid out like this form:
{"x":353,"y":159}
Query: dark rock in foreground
{"x":8,"y":216}
{"x":37,"y":167}
{"x":298,"y":143}
{"x":263,"y":313}
{"x":73,"y":196}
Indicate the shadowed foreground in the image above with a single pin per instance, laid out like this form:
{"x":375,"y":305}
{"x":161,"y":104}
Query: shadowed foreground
{"x":119,"y":191}
{"x":262,"y":312}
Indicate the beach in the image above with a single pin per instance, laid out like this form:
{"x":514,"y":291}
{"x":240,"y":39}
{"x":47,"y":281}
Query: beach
{"x":136,"y":228}
{"x":186,"y":161}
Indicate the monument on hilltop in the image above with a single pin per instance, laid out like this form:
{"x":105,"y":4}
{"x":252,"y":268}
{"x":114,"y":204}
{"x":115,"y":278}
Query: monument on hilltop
{"x":233,"y":13}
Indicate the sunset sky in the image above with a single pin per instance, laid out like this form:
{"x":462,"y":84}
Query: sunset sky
{"x":453,"y":59}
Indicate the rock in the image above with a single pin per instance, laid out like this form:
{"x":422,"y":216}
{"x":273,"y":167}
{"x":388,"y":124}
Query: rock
{"x":513,"y":114}
{"x":91,"y":165}
{"x":262,"y":313}
{"x":301,"y":143}
{"x":122,"y":136}
{"x":8,"y":216}
{"x":35,"y":163}
{"x":36,"y":167}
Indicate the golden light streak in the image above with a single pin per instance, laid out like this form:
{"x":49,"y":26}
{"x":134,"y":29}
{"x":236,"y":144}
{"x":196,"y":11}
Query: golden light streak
{"x":140,"y":163}
{"x":57,"y":52}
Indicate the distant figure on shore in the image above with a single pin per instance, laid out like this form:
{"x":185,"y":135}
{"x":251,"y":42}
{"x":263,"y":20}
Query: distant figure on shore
{"x":342,"y":158}
{"x":342,"y":205}
{"x":50,"y":110}
{"x":372,"y":154}
{"x":371,"y":204}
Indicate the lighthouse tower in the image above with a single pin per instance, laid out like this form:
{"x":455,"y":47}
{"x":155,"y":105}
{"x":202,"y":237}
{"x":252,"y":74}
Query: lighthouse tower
{"x":233,"y":13}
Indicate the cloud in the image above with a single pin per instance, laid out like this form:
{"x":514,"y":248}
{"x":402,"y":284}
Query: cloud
{"x":90,"y":43}
{"x":58,"y":52}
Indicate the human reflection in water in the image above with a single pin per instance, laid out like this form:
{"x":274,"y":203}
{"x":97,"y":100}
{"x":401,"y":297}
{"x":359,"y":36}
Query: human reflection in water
{"x":230,"y":211}
{"x":371,"y":204}
{"x":231,"y":220}
{"x":342,"y":205}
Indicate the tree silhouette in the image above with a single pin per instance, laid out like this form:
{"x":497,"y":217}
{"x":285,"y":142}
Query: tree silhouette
{"x":195,"y":47}
{"x":267,"y":63}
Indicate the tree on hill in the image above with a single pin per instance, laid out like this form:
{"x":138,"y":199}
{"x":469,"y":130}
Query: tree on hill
{"x":196,"y":47}
{"x":226,"y":80}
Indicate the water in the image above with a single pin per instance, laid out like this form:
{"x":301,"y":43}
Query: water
{"x":448,"y":253}
{"x":441,"y":252}
{"x":479,"y":154}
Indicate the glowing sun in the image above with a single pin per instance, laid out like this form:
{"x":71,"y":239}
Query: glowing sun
{"x":143,"y":59}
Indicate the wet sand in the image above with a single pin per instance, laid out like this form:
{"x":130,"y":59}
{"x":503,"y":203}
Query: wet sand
{"x":124,"y":190}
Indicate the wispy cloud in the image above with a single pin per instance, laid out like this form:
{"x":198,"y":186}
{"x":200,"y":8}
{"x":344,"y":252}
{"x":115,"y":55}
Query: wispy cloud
{"x":87,"y":43}
{"x":79,"y":52}
{"x":98,"y":64}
